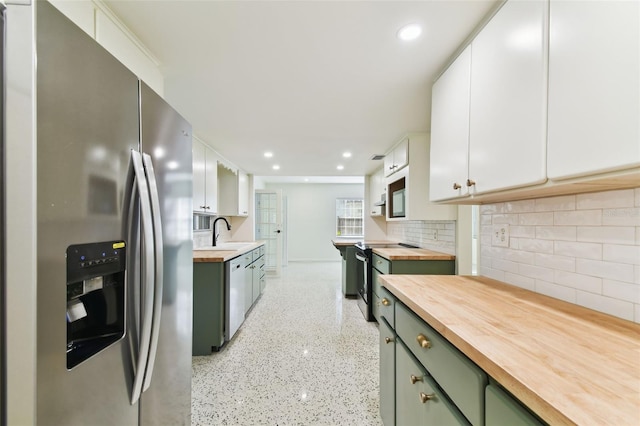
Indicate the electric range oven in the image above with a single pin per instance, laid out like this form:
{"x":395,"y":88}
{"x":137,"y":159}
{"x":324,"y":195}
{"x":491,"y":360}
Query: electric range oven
{"x":364,"y":254}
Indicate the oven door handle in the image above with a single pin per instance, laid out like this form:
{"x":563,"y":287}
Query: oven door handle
{"x":361,"y":258}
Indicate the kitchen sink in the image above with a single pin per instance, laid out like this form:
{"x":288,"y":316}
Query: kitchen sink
{"x":235,"y":245}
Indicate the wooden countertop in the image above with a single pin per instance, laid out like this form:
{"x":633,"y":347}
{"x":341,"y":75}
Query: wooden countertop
{"x":402,"y":253}
{"x":569,"y":364}
{"x":350,"y":242}
{"x":223,"y":255}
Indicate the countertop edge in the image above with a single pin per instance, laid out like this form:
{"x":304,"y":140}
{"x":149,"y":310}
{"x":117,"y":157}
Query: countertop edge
{"x":214,"y":256}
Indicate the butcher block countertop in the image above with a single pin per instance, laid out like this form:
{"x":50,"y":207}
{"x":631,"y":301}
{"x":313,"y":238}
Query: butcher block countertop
{"x":568,"y":364}
{"x":223,"y":255}
{"x":402,"y":253}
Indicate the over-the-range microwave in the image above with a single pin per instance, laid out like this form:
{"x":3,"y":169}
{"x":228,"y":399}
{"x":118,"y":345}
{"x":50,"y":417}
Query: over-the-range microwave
{"x":398,"y":203}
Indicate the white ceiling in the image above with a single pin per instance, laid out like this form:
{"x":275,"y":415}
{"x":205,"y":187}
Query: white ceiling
{"x":306,"y":80}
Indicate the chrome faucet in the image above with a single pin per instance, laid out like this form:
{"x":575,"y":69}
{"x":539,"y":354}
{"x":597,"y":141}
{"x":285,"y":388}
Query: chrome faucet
{"x":215,"y":237}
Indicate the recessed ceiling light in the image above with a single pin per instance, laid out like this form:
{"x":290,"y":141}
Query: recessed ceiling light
{"x":268,"y":154}
{"x":276,"y":167}
{"x":346,"y":154}
{"x":340,"y":167}
{"x":409,"y":32}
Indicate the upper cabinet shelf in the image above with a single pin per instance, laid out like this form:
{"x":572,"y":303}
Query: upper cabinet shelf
{"x":540,"y":104}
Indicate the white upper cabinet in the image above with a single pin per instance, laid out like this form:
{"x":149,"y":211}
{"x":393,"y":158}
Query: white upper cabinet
{"x":507,"y":127}
{"x":205,"y":179}
{"x":450,"y":130}
{"x":377,"y":193}
{"x":397,"y":158}
{"x":243,"y":193}
{"x":594,"y":87}
{"x":233,"y":191}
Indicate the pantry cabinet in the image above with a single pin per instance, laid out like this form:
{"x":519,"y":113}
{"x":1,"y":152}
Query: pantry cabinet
{"x":205,"y":179}
{"x":397,"y":158}
{"x":507,"y":109}
{"x":594,"y":87}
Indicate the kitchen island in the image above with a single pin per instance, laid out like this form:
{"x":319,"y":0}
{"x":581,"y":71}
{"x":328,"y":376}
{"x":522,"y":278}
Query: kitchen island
{"x":565,"y":363}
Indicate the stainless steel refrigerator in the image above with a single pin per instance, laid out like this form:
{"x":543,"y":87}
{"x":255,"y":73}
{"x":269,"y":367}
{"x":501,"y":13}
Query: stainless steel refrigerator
{"x":114,"y":239}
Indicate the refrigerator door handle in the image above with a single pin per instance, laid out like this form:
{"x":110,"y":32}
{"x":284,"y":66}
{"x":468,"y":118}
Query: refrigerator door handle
{"x":159,"y":265}
{"x":148,"y":272}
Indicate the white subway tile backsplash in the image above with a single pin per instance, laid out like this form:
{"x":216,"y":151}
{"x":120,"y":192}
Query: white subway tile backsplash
{"x":578,"y":217}
{"x":608,"y":199}
{"x":621,"y":290}
{"x":519,"y":206}
{"x":606,"y":234}
{"x":536,"y":218}
{"x":621,"y":254}
{"x":563,"y":263}
{"x":584,"y":249}
{"x":556,"y":204}
{"x":578,"y":249}
{"x":420,"y":233}
{"x":608,"y":305}
{"x":562,"y":233}
{"x":561,"y":292}
{"x":578,"y":281}
{"x":602,"y":269}
{"x":520,"y":281}
{"x":628,"y":216}
{"x":537,"y":272}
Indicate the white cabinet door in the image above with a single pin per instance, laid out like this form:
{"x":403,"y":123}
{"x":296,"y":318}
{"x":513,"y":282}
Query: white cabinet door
{"x":211,"y":181}
{"x":397,"y":158}
{"x":450,"y":130}
{"x":199,"y":161}
{"x":376,"y":190}
{"x":594,"y":87}
{"x":508,"y":99}
{"x":243,"y":194}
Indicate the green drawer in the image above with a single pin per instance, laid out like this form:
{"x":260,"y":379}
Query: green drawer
{"x":419,"y":400}
{"x":503,"y":409}
{"x":458,"y":376}
{"x":387,"y":306}
{"x":381,"y":264}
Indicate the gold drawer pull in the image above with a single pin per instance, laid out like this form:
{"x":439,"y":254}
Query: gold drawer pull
{"x":385,"y":302}
{"x":388,"y":340}
{"x":423,"y":341}
{"x":415,"y":379}
{"x":424,"y":397}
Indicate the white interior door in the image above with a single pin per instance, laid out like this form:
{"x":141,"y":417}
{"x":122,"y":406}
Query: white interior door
{"x":269,"y":228}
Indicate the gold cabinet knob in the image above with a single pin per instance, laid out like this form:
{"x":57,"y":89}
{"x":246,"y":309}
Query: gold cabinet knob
{"x":415,"y":379}
{"x":470,"y":182}
{"x":388,"y":340}
{"x":385,"y":302}
{"x":424,"y":397}
{"x":456,"y":186}
{"x":423,"y":341}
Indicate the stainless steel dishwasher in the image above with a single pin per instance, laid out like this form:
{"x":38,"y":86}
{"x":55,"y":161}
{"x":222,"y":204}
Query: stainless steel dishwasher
{"x":234,"y":296}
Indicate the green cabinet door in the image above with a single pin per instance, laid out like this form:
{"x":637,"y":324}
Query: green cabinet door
{"x":419,"y":401}
{"x":208,"y":307}
{"x":387,"y":374}
{"x":503,"y":410}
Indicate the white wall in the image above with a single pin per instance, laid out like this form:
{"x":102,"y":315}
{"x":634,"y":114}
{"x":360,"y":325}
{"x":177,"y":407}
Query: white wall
{"x":584,"y":249}
{"x":312,"y":218}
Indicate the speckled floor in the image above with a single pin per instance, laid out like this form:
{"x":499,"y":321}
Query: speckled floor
{"x":304,"y":356}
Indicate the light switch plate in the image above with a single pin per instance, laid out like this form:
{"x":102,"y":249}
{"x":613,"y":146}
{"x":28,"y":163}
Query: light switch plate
{"x":500,"y":235}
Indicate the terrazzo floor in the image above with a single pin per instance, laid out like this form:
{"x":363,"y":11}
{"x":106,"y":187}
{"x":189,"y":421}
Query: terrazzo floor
{"x":304,"y":356}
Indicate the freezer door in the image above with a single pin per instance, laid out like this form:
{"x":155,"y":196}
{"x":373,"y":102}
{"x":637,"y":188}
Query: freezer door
{"x":87,"y":125}
{"x":166,"y":138}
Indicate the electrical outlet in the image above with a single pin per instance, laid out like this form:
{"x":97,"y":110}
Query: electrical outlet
{"x":435,"y":235}
{"x":500,"y":235}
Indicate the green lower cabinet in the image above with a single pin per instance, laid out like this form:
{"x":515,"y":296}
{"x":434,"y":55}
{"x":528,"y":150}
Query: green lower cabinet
{"x":387,"y":374}
{"x":419,"y":401}
{"x":503,"y":410}
{"x":208,"y":307}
